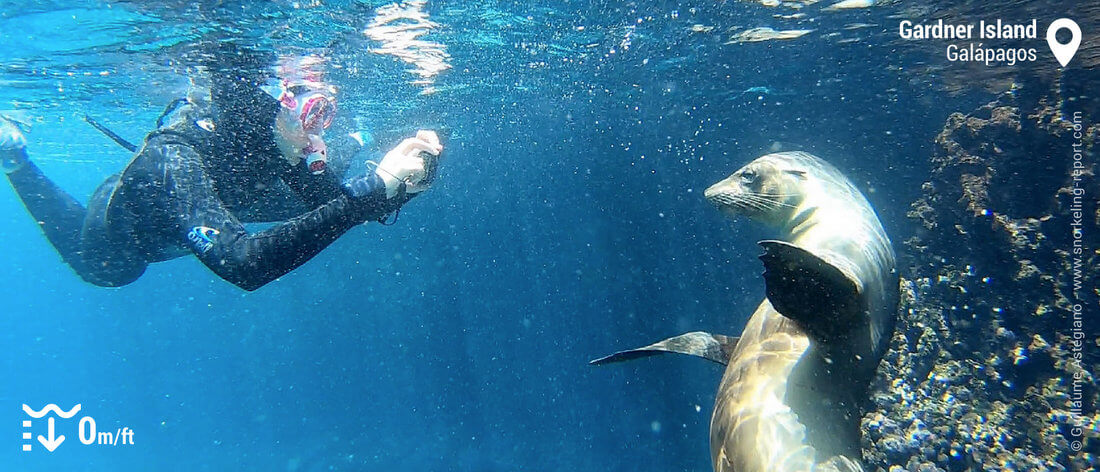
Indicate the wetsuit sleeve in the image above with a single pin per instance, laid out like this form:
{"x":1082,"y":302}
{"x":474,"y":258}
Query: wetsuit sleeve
{"x":251,"y":260}
{"x":314,"y":190}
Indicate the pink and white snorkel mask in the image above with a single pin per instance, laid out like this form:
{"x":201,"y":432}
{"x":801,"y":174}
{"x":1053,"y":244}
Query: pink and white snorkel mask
{"x":308,"y":108}
{"x":313,"y":111}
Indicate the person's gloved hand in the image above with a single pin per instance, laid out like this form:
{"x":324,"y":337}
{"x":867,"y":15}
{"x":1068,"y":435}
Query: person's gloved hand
{"x":405,"y":163}
{"x":13,"y":153}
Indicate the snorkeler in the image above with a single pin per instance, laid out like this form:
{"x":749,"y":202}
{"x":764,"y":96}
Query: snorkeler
{"x":197,"y":179}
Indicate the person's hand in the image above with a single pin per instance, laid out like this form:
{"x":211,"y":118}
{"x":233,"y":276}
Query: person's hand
{"x":13,"y":146}
{"x":11,"y":137}
{"x":406,"y":163}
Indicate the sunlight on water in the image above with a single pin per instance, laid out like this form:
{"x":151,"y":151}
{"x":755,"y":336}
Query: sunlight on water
{"x":399,"y":27}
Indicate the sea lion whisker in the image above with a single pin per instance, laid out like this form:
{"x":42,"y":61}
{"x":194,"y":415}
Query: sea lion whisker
{"x":776,"y":195}
{"x":749,"y":200}
{"x":754,"y":203}
{"x":727,"y":199}
{"x":763,"y":203}
{"x":773,"y":197}
{"x":771,"y":200}
{"x":735,"y":202}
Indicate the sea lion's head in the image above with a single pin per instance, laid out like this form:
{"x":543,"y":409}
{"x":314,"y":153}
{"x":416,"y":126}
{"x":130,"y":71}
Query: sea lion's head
{"x":767,"y":189}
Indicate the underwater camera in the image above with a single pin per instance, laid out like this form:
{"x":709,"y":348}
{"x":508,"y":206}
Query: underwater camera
{"x":431,"y":163}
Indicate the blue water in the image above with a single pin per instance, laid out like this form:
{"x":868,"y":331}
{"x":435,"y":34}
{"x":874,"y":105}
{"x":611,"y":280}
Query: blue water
{"x":568,"y":223}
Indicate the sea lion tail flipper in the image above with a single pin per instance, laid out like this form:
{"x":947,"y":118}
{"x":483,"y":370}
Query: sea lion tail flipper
{"x":805,"y":288}
{"x":712,"y":347}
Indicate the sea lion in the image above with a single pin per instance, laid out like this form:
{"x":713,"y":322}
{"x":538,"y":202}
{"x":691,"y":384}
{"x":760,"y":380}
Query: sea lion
{"x":796,"y":378}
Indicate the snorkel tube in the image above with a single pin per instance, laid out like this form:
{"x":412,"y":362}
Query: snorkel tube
{"x":316,"y":155}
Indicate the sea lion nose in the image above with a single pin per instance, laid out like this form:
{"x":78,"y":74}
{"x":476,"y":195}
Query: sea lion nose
{"x":714,"y":191}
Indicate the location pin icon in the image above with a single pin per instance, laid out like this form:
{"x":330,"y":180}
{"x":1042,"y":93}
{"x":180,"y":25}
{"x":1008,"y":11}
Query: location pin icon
{"x":1064,"y":52}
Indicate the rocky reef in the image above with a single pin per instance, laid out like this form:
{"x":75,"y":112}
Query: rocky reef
{"x":993,"y":363}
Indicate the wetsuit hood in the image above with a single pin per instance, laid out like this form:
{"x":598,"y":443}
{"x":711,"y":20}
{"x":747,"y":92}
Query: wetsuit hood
{"x":243,"y":112}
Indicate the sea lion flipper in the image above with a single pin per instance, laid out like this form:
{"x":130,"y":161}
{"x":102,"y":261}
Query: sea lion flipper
{"x":839,"y":463}
{"x":801,"y":286}
{"x":712,"y":347}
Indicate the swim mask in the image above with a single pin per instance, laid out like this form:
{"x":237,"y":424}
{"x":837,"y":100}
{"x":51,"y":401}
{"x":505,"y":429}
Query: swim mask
{"x":314,"y":110}
{"x":300,"y":124}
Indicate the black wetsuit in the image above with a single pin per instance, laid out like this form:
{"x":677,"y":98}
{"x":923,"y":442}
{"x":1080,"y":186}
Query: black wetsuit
{"x":188,"y":190}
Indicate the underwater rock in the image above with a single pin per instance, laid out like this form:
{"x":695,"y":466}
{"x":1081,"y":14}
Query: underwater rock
{"x":980,"y":371}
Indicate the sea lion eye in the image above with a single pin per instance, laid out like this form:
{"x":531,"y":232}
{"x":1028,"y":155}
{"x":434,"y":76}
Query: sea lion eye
{"x":748,"y":176}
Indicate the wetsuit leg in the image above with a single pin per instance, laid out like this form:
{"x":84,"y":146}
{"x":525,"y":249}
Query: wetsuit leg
{"x":108,"y":252}
{"x":80,"y":236}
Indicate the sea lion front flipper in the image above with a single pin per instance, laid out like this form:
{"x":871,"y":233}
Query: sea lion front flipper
{"x":712,"y":347}
{"x":839,"y":463}
{"x":805,"y":288}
